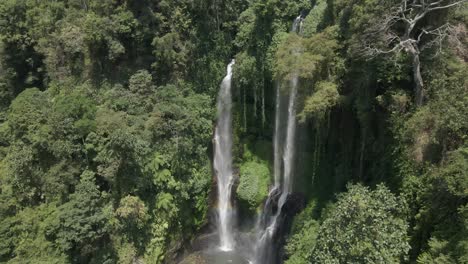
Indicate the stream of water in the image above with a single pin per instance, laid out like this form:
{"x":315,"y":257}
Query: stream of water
{"x":223,"y":163}
{"x":270,"y":221}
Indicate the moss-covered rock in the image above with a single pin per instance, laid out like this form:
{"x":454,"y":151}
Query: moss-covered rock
{"x":254,"y":181}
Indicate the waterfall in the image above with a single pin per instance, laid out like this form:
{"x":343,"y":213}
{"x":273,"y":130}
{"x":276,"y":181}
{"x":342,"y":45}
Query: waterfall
{"x":277,"y":139}
{"x":297,"y":25}
{"x":223,"y":162}
{"x":270,"y":221}
{"x":288,"y":156}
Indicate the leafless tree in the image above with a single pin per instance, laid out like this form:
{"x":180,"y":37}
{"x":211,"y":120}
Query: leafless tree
{"x":400,"y":32}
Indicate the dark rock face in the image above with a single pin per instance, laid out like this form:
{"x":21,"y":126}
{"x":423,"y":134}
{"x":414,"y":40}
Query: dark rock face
{"x":270,"y":208}
{"x":204,"y":241}
{"x":295,"y":203}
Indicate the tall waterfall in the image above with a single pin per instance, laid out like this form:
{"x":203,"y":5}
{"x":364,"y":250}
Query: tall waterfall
{"x":277,"y":139}
{"x":288,"y":156}
{"x":223,"y":162}
{"x":271,"y":219}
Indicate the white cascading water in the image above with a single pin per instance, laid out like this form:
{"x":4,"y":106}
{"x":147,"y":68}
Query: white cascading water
{"x":268,"y":223}
{"x":277,"y":139}
{"x":297,"y":25}
{"x":288,"y":156}
{"x":223,"y":162}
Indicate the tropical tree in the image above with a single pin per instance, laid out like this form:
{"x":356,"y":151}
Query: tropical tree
{"x":365,"y":227}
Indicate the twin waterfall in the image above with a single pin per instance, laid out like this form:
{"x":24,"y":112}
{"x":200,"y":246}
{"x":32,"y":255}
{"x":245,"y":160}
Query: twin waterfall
{"x":271,"y":219}
{"x":270,"y":223}
{"x":223,"y":162}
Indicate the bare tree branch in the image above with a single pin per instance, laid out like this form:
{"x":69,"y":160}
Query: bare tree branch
{"x":439,"y":7}
{"x":439,"y":35}
{"x":413,"y":40}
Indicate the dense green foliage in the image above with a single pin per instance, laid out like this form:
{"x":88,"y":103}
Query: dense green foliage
{"x":304,"y":238}
{"x":107,"y":109}
{"x":254,"y":182}
{"x":105,"y":126}
{"x":361,"y":125}
{"x":364,"y":227}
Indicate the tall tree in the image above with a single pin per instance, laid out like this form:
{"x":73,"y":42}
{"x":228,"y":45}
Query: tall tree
{"x":418,"y":33}
{"x":365,"y":227}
